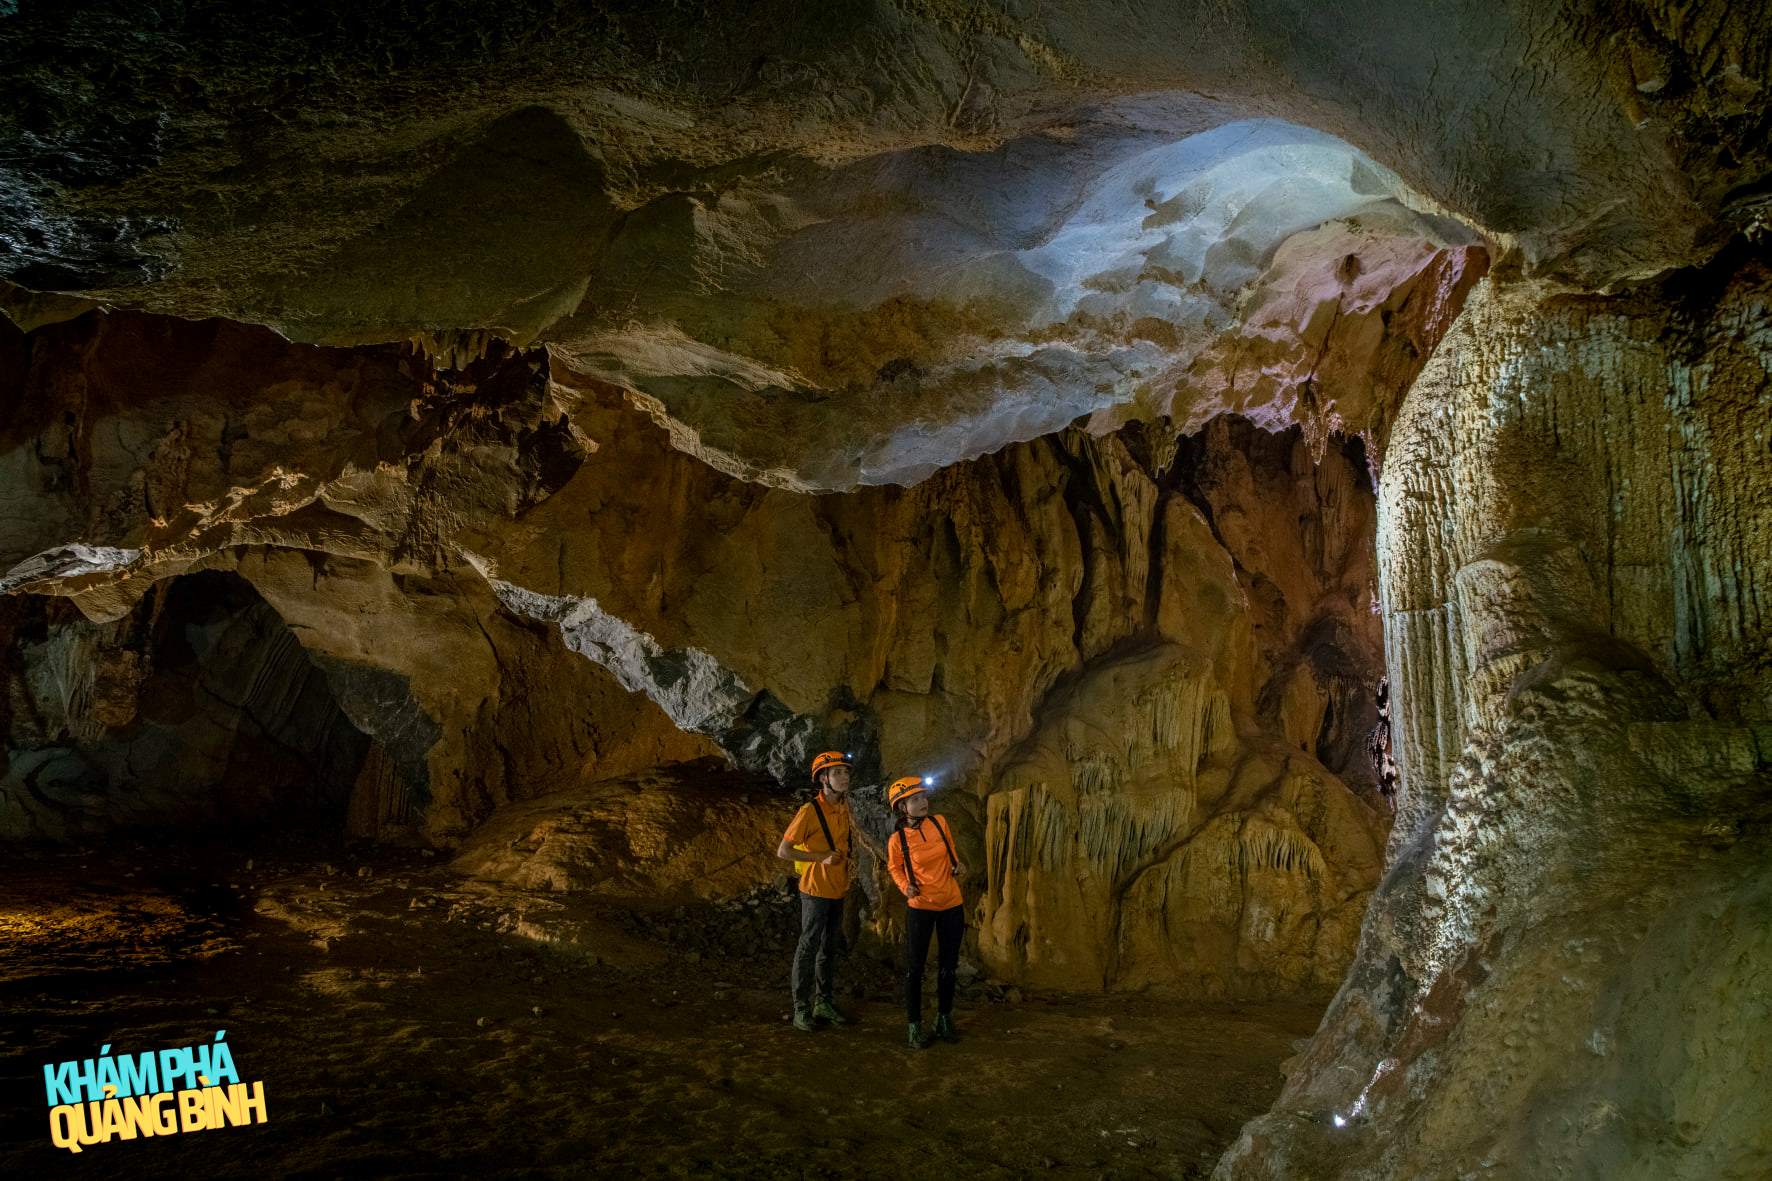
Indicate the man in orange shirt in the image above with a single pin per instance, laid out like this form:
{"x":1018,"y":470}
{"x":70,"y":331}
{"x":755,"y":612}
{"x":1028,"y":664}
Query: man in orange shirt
{"x":920,"y":855}
{"x":821,"y":839}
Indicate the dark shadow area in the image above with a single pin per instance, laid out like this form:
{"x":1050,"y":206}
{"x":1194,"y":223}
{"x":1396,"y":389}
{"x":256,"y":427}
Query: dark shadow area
{"x":198,"y":712}
{"x":407,"y":1021}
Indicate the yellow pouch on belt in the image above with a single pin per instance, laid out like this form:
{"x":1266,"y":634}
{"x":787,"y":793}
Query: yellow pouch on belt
{"x":800,"y":867}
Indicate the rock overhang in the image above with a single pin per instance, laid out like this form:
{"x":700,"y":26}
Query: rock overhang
{"x":841,"y":248}
{"x":932,"y":306}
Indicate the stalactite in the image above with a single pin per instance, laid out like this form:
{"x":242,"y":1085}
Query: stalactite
{"x":1260,"y":845}
{"x":1181,"y":720}
{"x":73,"y":667}
{"x":454,"y":348}
{"x":1119,"y":834}
{"x":1094,"y":771}
{"x":1026,"y":828}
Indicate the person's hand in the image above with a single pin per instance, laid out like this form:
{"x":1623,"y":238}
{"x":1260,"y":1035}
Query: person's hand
{"x":914,"y":891}
{"x":830,"y":858}
{"x":959,"y":872}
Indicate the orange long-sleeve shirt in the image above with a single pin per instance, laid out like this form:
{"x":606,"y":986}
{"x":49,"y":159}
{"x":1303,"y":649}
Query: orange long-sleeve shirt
{"x":929,"y":859}
{"x":822,"y":881}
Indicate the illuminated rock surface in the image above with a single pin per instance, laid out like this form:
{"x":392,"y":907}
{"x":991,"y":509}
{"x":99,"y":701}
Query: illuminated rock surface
{"x":513,"y":587}
{"x":1571,"y":936}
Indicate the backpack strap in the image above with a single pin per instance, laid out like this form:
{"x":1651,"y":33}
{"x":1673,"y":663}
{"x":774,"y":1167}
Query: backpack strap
{"x":941,"y":830}
{"x":829,"y":840}
{"x":904,"y":845}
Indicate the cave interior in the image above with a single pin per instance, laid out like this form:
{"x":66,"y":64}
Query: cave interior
{"x":1295,"y":482}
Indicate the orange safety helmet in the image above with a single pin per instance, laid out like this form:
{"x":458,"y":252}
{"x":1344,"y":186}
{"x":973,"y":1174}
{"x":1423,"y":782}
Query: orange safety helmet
{"x":830,"y":758}
{"x":904,"y":789}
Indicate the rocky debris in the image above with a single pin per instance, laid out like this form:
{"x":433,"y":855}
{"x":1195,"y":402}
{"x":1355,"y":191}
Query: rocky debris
{"x":762,"y":923}
{"x":668,"y":834}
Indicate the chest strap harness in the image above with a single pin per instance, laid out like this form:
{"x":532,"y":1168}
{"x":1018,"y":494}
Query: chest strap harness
{"x":830,"y":841}
{"x":904,"y":846}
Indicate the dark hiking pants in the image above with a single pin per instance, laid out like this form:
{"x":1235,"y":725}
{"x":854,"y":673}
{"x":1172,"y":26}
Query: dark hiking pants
{"x":821,"y":941}
{"x":948,"y":926}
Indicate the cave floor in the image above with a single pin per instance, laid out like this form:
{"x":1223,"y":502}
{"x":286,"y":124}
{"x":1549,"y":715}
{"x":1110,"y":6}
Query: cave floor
{"x":397,"y":1032}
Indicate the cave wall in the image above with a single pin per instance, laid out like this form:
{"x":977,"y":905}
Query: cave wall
{"x":197,"y":709}
{"x":518,"y":586}
{"x":1181,"y":814}
{"x":665,"y":273}
{"x":851,"y":246}
{"x":322,"y":477}
{"x":1571,"y":934}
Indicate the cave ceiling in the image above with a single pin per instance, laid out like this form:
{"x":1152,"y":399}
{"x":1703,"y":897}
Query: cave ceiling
{"x":836,"y":245}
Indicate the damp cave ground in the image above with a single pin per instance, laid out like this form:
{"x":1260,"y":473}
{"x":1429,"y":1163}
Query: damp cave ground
{"x":354,"y":982}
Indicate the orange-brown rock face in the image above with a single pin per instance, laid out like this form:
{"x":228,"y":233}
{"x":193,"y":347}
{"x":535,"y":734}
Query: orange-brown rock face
{"x":1171,"y":820}
{"x":514,"y":586}
{"x":321,"y":477}
{"x":652,"y":838}
{"x":1137,"y":839}
{"x":605,"y":393}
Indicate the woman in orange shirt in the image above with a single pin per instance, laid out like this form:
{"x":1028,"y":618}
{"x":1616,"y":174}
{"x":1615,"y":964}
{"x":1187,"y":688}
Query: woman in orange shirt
{"x":920,"y":855}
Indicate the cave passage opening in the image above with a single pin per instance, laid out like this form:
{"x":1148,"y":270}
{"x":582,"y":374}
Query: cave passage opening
{"x":198,"y":712}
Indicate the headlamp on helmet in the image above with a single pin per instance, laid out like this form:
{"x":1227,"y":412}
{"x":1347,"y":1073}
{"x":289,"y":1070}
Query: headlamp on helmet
{"x":827,"y":760}
{"x":903,"y":789}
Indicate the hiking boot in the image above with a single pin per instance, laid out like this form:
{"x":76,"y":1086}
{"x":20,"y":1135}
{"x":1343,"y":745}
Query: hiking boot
{"x":829,"y":1012}
{"x":915,"y":1039}
{"x":803,"y":1019}
{"x":944,"y":1028}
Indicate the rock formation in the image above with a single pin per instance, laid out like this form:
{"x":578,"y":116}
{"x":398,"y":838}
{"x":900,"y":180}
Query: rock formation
{"x":511,"y":586}
{"x":1573,"y":542}
{"x":554,"y":422}
{"x":197,"y":708}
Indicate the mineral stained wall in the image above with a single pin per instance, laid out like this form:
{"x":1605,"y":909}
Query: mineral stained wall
{"x":1572,"y":937}
{"x":668,"y":272}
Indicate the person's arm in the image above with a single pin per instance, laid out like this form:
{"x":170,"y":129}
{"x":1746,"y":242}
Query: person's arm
{"x":895,"y":866}
{"x":787,"y":852}
{"x":797,"y":834}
